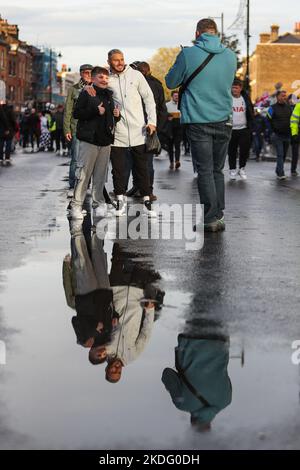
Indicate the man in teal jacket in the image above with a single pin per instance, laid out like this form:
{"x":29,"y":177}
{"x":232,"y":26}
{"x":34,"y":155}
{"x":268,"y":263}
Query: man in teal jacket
{"x":206,"y":109}
{"x":200,"y":385}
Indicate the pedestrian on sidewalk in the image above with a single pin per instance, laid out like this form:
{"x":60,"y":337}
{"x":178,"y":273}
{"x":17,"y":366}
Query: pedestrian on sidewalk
{"x":206,"y":108}
{"x":258,"y":132}
{"x":50,"y":114}
{"x":34,"y":129}
{"x":242,"y":122}
{"x":24,"y":128}
{"x":8,"y":127}
{"x":175,"y":131}
{"x":95,"y":131}
{"x":295,"y":122}
{"x":161,"y":112}
{"x":45,"y":138}
{"x":59,"y":133}
{"x":279,"y":115}
{"x":70,"y":122}
{"x":4,"y":130}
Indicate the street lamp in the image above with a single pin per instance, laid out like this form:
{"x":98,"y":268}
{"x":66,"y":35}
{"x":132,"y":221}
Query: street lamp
{"x":222,"y":24}
{"x":248,"y":48}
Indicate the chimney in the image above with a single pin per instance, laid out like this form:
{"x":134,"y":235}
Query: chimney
{"x":297,"y":28}
{"x":274,"y":32}
{"x":264,"y":37}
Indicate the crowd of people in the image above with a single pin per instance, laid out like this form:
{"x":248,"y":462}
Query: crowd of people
{"x":32,"y":130}
{"x":119,"y":115}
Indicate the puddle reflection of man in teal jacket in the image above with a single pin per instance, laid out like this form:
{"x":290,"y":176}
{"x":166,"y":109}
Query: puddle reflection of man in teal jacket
{"x":201,"y":385}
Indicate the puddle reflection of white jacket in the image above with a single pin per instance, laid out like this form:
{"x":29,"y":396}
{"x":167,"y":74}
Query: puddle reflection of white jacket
{"x":129,"y":89}
{"x":129,"y":338}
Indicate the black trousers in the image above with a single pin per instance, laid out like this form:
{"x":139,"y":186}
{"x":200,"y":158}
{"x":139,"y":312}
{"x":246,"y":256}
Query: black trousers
{"x":295,"y":156}
{"x":60,"y":138}
{"x":240,"y":139}
{"x":175,"y":142}
{"x":140,"y":168}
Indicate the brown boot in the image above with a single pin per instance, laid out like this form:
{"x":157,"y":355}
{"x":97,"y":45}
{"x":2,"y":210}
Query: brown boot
{"x":177,"y":165}
{"x":153,"y":197}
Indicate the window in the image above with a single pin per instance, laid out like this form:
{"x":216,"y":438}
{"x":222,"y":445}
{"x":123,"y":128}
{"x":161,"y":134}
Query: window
{"x":2,"y":65}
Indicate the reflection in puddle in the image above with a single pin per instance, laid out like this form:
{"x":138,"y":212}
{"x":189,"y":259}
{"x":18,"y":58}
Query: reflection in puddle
{"x":114,"y":312}
{"x":53,"y":397}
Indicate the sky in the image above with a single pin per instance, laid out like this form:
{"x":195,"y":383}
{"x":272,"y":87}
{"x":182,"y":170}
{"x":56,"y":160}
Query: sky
{"x":83,"y":31}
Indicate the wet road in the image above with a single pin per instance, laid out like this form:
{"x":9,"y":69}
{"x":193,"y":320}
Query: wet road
{"x":235,"y":301}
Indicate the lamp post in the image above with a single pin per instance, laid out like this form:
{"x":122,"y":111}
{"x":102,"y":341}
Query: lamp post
{"x":50,"y":77}
{"x":247,"y":77}
{"x":222,"y":24}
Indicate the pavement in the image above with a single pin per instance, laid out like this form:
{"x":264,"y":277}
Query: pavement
{"x":241,"y":288}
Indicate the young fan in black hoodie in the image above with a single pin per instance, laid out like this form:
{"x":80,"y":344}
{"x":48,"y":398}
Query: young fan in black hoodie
{"x":95,"y":131}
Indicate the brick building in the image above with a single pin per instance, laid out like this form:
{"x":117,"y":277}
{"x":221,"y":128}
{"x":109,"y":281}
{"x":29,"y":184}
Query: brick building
{"x":4,"y":48}
{"x":276,"y":59}
{"x":29,"y":73}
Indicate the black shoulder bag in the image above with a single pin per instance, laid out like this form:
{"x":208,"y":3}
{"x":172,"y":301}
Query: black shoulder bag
{"x":196,"y":72}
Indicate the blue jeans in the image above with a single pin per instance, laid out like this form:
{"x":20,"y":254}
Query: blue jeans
{"x":258,"y":143}
{"x":209,"y":145}
{"x":73,"y":162}
{"x":281,"y":143}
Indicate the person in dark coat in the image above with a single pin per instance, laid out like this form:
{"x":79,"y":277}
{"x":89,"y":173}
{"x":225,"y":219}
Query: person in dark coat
{"x":162,"y":121}
{"x":258,"y":131}
{"x":87,"y":288}
{"x":8,"y":127}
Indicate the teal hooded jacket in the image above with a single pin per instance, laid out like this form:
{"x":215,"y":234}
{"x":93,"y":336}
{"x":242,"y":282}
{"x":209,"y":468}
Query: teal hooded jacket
{"x":208,"y":97}
{"x":204,"y":364}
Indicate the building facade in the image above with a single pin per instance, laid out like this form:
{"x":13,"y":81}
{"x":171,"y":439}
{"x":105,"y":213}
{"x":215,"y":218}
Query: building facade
{"x":29,"y":73}
{"x":275,"y":59}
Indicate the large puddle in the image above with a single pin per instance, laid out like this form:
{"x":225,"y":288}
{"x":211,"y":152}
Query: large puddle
{"x":53,"y":397}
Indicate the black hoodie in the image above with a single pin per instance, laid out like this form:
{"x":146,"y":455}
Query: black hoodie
{"x":92,"y":127}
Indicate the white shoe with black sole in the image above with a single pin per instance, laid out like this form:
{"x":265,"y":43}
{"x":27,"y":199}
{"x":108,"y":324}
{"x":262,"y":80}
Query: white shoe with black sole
{"x":147,"y":210}
{"x":121,"y":208}
{"x":101,"y":210}
{"x":76,"y":213}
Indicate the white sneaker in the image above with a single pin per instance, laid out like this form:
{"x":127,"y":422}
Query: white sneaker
{"x":70,"y":193}
{"x":77,"y":213}
{"x":121,"y":206}
{"x":101,"y":210}
{"x":61,"y":152}
{"x":147,"y":210}
{"x":76,"y":227}
{"x":232,"y":174}
{"x":242,"y":174}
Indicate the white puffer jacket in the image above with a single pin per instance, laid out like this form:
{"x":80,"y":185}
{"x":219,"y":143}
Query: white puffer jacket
{"x":129,"y":89}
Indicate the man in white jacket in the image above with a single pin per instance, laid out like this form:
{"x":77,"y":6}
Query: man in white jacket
{"x":130,"y":90}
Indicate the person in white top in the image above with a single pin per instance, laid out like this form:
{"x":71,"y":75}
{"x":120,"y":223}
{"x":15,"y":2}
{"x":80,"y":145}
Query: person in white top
{"x":130,"y":90}
{"x":175,"y":129}
{"x":242,"y":117}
